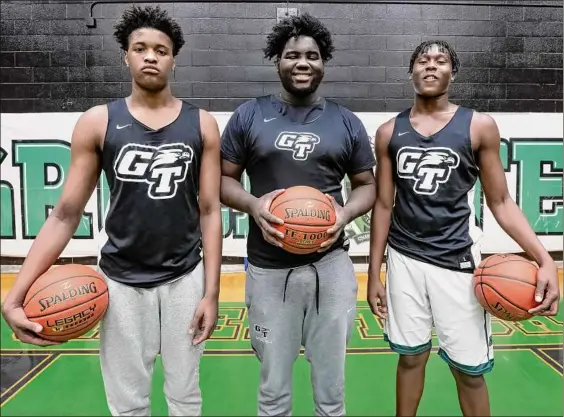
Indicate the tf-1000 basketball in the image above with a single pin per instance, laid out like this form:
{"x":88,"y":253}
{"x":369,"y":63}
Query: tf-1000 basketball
{"x":505,"y":285}
{"x":67,"y":301}
{"x":307,"y":214}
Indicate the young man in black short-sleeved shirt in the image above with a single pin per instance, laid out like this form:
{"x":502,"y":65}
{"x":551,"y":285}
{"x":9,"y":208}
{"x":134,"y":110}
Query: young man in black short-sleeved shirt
{"x":298,"y":138}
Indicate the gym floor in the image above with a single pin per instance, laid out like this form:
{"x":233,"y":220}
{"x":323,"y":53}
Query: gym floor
{"x":66,"y":380}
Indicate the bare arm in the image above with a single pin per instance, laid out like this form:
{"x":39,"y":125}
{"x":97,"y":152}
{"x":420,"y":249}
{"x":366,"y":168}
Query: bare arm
{"x":362,"y":196}
{"x":234,"y":195}
{"x":232,"y":192}
{"x":359,"y":202}
{"x":58,"y":229}
{"x":503,"y":207}
{"x":382,"y":211}
{"x":210,"y":206}
{"x":380,"y":220}
{"x":509,"y":216}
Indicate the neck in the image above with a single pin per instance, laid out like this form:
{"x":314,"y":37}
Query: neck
{"x":299,"y":101}
{"x":151,"y":99}
{"x":438,"y":104}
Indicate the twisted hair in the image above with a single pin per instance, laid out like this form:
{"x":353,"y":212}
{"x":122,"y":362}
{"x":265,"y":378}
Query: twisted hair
{"x":295,"y":26}
{"x":148,"y":17}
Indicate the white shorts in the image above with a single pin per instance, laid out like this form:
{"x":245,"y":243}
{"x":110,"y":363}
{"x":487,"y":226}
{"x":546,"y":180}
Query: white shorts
{"x":420,"y":295}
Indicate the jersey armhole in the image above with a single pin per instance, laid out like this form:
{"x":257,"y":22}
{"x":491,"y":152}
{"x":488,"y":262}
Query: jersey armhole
{"x":474,"y":154}
{"x":104,"y":138}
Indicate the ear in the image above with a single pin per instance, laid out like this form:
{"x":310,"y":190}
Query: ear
{"x":125,"y":59}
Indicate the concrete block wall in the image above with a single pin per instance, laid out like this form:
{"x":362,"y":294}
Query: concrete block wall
{"x":511,"y":56}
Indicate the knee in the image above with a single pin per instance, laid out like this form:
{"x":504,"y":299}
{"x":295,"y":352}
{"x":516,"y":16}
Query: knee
{"x":408,"y":362}
{"x":467,"y":381}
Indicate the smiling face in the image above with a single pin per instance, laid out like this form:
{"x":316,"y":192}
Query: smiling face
{"x":150,"y":58}
{"x":300,"y":66}
{"x":432,"y":72}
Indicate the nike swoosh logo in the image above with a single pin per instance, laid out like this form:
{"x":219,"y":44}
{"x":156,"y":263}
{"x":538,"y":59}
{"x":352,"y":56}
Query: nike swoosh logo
{"x":269,"y":120}
{"x":118,"y":127}
{"x":402,"y":133}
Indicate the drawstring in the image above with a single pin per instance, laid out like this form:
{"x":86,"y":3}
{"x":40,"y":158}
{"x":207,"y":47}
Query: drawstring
{"x":286,"y":283}
{"x":316,"y":286}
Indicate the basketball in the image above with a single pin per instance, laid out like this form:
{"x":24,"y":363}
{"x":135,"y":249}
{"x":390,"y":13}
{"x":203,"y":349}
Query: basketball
{"x":67,"y":300}
{"x":307,"y":215}
{"x":505,"y":284}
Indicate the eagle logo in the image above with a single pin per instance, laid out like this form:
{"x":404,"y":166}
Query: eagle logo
{"x":435,"y":158}
{"x":169,"y":157}
{"x":427,"y":167}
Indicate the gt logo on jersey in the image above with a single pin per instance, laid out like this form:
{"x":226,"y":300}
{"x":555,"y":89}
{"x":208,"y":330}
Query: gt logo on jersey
{"x":161,"y":167}
{"x":428,"y":167}
{"x":300,"y":144}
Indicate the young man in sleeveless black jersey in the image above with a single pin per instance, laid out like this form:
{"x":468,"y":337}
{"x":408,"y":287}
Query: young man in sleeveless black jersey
{"x":154,"y":150}
{"x":282,"y":140}
{"x":429,"y":158}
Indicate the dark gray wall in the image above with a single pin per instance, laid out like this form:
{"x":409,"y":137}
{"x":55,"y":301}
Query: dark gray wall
{"x":511,"y":56}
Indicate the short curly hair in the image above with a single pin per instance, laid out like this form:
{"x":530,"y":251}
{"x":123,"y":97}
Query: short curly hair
{"x":148,"y":17}
{"x":295,"y":26}
{"x":444,"y":47}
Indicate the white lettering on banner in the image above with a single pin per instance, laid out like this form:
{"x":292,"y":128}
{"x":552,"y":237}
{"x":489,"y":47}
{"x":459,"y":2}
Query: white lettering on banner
{"x":35,"y":155}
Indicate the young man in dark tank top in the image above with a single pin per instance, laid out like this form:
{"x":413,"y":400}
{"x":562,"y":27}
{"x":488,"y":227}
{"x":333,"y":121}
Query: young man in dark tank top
{"x":163,"y":212}
{"x":282,"y":140}
{"x":429,"y":158}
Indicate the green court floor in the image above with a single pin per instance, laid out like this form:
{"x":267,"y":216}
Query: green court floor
{"x":66,"y":381}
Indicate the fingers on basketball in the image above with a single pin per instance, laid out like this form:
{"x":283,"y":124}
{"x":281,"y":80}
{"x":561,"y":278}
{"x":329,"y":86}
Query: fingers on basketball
{"x":549,"y":306}
{"x":271,"y":218}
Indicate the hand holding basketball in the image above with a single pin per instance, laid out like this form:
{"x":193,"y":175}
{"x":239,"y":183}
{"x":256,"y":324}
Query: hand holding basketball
{"x":265,"y":219}
{"x":547,"y":291}
{"x":25,"y":330}
{"x":335,"y":230}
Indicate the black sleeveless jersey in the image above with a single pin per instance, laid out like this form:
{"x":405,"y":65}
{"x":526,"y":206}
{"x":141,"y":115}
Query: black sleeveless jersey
{"x":280,"y":146}
{"x":433,"y":217}
{"x":153,"y":223}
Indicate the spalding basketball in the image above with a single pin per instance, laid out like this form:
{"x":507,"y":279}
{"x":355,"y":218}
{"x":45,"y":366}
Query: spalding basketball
{"x":505,"y":285}
{"x":67,"y":300}
{"x":307,"y":215}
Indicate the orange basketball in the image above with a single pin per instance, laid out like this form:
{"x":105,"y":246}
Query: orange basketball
{"x":505,"y":286}
{"x":307,"y":214}
{"x":67,"y":300}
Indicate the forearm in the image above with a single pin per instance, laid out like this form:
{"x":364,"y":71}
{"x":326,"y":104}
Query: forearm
{"x":379,"y":229}
{"x":235,"y":196}
{"x":212,"y":241}
{"x":44,"y":252}
{"x":360,"y":201}
{"x":515,"y":224}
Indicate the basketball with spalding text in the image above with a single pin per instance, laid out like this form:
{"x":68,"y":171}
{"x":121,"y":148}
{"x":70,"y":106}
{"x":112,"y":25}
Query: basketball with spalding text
{"x":307,"y":214}
{"x":67,"y":301}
